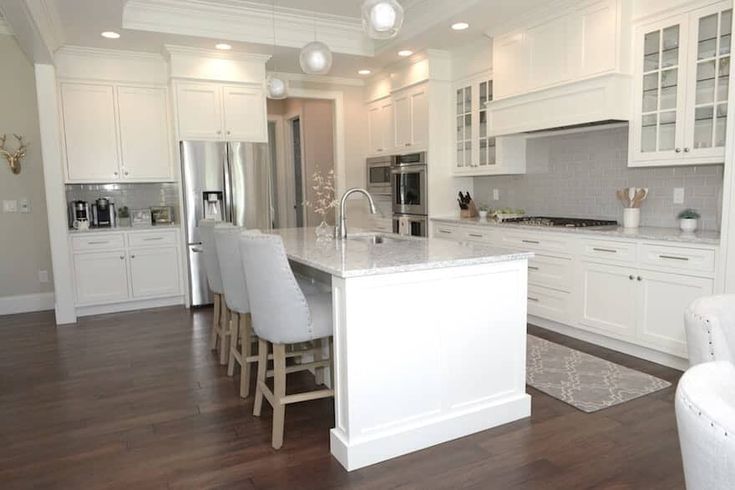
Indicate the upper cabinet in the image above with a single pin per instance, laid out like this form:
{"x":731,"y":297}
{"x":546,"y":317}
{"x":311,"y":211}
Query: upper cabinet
{"x":218,"y":112}
{"x":682,"y":66}
{"x":479,"y":153}
{"x":399,"y":123}
{"x":116,"y":133}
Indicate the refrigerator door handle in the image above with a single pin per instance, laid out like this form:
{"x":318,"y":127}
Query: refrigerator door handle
{"x":228,"y":184}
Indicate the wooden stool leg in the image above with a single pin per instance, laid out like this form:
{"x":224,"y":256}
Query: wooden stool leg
{"x":331,"y":362}
{"x":224,"y":345}
{"x":262,"y":368}
{"x":319,"y":356}
{"x":279,"y":393}
{"x":246,"y":350}
{"x":234,"y":326}
{"x":215,"y":322}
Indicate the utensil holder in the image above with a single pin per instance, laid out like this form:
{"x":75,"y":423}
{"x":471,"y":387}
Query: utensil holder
{"x":631,"y":217}
{"x":470,"y":212}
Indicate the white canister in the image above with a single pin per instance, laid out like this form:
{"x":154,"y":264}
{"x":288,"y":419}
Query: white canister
{"x":631,"y":217}
{"x":688,"y":225}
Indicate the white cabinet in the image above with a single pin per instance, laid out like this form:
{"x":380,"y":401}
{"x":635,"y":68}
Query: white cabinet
{"x":381,"y":135}
{"x":411,"y":113}
{"x":100,"y":277}
{"x":217,"y":112}
{"x":609,"y":299}
{"x":479,"y":153}
{"x":90,"y":133}
{"x":116,"y":133}
{"x":120,"y":267}
{"x":682,"y":65}
{"x":154,"y":272}
{"x":145,"y":137}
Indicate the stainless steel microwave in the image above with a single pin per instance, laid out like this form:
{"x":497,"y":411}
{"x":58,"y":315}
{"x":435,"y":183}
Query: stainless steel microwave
{"x":378,"y":175}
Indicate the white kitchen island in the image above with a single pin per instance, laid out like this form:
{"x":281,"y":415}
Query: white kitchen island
{"x":429,"y":336}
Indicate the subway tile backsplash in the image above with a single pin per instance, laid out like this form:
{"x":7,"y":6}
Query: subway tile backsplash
{"x":134,"y":196}
{"x":576,"y":175}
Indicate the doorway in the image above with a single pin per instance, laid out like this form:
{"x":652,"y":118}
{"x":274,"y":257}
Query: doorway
{"x":298,"y":170}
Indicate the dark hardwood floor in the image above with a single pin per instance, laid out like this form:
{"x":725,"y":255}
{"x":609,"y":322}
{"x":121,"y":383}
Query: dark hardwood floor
{"x":137,"y":400}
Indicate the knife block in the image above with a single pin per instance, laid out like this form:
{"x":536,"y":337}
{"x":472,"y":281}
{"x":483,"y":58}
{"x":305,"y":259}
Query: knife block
{"x":470,"y":212}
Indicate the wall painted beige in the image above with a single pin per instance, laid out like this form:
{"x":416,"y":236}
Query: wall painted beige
{"x":24,"y":241}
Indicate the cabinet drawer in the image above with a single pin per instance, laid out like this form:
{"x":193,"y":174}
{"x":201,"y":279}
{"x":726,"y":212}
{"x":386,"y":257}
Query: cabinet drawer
{"x":97,"y":241}
{"x":551,"y":272}
{"x":691,"y":259}
{"x":536,"y":241}
{"x":616,"y":251}
{"x":476,"y":235}
{"x":151,"y":239}
{"x":549,"y":304}
{"x":446,"y":231}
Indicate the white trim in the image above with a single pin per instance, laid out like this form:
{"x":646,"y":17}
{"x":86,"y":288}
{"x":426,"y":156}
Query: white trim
{"x":302,"y":77}
{"x":610,"y":343}
{"x":24,"y":303}
{"x":245,"y":21}
{"x":120,"y":54}
{"x":174,"y":49}
{"x":129,"y":306}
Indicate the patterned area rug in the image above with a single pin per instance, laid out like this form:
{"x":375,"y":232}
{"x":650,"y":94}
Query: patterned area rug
{"x":584,"y":381}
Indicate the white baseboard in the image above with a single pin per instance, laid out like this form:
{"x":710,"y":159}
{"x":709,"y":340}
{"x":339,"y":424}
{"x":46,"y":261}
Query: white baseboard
{"x":129,"y":306}
{"x":25,"y":303}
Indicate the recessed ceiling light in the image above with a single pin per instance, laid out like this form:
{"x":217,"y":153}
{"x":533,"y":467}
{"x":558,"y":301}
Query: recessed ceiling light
{"x":364,"y":72}
{"x":223,"y":46}
{"x":110,"y":35}
{"x":460,"y":26}
{"x":405,"y":52}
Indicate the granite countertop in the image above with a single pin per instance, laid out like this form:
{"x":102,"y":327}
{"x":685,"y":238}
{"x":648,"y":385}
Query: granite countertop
{"x":357,"y":256}
{"x":119,"y":229}
{"x":642,"y":233}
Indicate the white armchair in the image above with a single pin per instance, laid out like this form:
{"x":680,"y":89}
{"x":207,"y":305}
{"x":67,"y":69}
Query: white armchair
{"x":705,"y":415}
{"x":710,"y":329}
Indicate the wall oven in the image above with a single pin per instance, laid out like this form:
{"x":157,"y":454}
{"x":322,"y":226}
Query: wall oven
{"x":408,"y":190}
{"x":378,"y":174}
{"x":410,"y":225}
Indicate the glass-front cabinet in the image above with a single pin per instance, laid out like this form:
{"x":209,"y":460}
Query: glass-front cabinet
{"x":478,"y":151}
{"x":682,"y":79}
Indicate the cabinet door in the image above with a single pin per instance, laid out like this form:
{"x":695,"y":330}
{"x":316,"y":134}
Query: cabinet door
{"x":545,"y":44}
{"x":90,"y":133}
{"x":709,"y":80}
{"x":600,"y":38}
{"x":609,"y":299}
{"x":155,"y":272}
{"x":245,"y":113}
{"x":419,"y":118}
{"x":464,"y":128}
{"x":487,"y":156}
{"x":388,"y":137}
{"x":402,"y":113}
{"x":663,"y":300}
{"x":375,"y":129}
{"x":145,"y":139}
{"x":510,"y":59}
{"x":100,"y":277}
{"x":199,"y":111}
{"x":657,"y":128}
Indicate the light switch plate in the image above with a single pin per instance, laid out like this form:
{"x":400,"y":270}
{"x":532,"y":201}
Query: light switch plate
{"x":10,"y":206}
{"x":24,"y":205}
{"x":43,"y":276}
{"x":496,"y":195}
{"x":678,"y":195}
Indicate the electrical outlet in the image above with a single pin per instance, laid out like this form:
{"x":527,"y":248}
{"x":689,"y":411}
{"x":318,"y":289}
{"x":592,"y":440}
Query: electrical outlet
{"x":10,"y":206}
{"x":24,"y":205}
{"x":678,"y":195}
{"x":43,"y":276}
{"x":496,"y":195}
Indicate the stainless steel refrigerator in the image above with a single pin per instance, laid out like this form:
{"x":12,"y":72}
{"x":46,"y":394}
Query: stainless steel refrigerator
{"x":230,"y":180}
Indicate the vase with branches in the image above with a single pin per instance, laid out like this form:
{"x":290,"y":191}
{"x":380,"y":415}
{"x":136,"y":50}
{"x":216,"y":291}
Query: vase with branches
{"x":323,"y":199}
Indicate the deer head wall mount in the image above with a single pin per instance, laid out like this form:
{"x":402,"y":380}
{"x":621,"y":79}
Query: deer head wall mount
{"x":14,"y":157}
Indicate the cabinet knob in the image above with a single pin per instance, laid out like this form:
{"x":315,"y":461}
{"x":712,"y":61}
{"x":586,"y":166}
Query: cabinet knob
{"x":228,"y":132}
{"x":639,"y":278}
{"x":686,"y":150}
{"x":678,"y":150}
{"x":126,"y":172}
{"x":115,"y":174}
{"x":122,"y":257}
{"x":132,"y":256}
{"x":408,"y":144}
{"x":631,"y":277}
{"x":219,"y":132}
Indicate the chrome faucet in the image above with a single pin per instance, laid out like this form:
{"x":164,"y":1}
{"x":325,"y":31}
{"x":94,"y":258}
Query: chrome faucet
{"x":341,"y":231}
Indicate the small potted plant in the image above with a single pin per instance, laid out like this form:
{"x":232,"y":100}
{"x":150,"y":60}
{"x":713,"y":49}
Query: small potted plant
{"x":483,"y":210}
{"x":123,"y":216}
{"x":688,"y":220}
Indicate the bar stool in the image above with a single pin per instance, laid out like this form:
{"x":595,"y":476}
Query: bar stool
{"x":220,"y":320}
{"x":282,"y":315}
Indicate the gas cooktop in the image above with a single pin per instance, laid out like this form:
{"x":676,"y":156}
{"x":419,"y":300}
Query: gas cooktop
{"x":561,"y":222}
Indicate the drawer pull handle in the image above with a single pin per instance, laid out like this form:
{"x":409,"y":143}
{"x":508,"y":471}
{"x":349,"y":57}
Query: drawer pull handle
{"x":445,"y":231}
{"x":673,"y":257}
{"x":531,"y":298}
{"x":99,"y":242}
{"x":153,"y":239}
{"x":535,"y":242}
{"x":475,"y":235}
{"x":532,"y":268}
{"x":608,"y":250}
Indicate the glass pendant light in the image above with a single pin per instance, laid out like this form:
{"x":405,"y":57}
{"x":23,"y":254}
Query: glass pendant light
{"x":382,"y":19}
{"x":276,"y":87}
{"x":315,"y":58}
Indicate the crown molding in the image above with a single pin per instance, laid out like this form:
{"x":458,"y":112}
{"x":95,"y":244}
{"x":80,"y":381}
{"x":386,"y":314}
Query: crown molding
{"x":243,"y":21}
{"x":48,"y":22}
{"x":173,"y":49}
{"x":327,"y":80}
{"x":119,"y":54}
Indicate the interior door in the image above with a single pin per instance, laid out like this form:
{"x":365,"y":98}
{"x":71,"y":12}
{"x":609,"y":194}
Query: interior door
{"x":145,"y":139}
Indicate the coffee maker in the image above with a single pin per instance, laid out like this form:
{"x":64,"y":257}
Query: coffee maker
{"x":103,"y":213}
{"x":78,"y":211}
